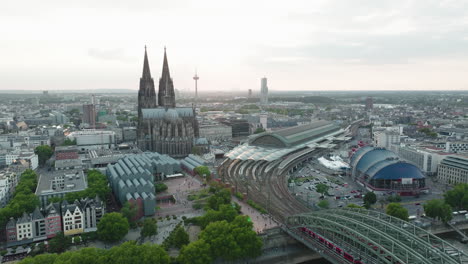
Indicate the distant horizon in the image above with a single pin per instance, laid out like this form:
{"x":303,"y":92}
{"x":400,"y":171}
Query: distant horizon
{"x":122,"y":91}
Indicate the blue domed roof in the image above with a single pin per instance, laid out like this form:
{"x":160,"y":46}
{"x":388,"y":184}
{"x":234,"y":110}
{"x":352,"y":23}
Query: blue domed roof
{"x":373,"y":156}
{"x":399,"y":170}
{"x":355,"y":158}
{"x":379,"y":163}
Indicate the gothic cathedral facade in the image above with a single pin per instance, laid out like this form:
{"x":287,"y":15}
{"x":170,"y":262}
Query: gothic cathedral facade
{"x":163,"y":127}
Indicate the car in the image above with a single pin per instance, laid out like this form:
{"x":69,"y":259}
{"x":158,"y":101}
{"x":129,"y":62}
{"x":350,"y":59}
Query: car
{"x":353,"y":191}
{"x":417,"y":204}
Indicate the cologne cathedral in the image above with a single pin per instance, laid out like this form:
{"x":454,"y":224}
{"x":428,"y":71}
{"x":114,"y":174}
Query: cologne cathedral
{"x":163,"y":127}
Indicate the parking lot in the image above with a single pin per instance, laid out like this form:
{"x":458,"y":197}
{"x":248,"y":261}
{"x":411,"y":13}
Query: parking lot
{"x":341,"y":189}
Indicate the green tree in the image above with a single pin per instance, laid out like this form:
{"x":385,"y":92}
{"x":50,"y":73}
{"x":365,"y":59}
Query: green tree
{"x":222,"y":243}
{"x":129,"y":211}
{"x":197,"y":252}
{"x":97,"y":185}
{"x":233,"y":240}
{"x":150,"y":228}
{"x":221,"y":196}
{"x":59,"y":243}
{"x":369,"y":199}
{"x":259,"y":130}
{"x":43,"y":153}
{"x":226,"y":212}
{"x":323,"y":204}
{"x":438,"y":209}
{"x":160,"y":187}
{"x":69,"y":142}
{"x":55,"y":200}
{"x":112,"y":227}
{"x":181,"y":238}
{"x":394,"y":198}
{"x":23,"y":200}
{"x":203,"y":171}
{"x":40,"y":259}
{"x":196,"y":150}
{"x":129,"y":252}
{"x":248,"y":241}
{"x":351,"y":205}
{"x":398,"y":211}
{"x":322,"y":188}
{"x":458,"y":197}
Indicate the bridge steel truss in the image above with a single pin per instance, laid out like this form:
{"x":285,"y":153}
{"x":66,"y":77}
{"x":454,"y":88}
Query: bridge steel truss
{"x":375,"y":236}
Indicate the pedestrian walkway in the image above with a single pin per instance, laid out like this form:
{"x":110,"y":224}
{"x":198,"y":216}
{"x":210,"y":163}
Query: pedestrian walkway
{"x":260,"y":221}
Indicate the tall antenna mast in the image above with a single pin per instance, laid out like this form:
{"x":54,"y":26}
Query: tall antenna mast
{"x":196,"y":86}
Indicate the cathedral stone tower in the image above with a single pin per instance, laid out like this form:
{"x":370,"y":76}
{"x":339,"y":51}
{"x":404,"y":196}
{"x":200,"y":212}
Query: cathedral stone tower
{"x":164,"y":128}
{"x":166,"y":95}
{"x":146,"y":94}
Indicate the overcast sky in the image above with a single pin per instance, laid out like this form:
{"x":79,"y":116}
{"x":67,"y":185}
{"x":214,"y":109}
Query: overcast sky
{"x":297,"y":45}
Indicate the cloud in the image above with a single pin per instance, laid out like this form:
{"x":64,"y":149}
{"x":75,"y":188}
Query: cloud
{"x":109,"y":54}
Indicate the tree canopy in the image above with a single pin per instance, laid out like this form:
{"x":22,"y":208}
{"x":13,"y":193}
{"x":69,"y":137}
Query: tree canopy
{"x":438,"y":209}
{"x":203,"y":171}
{"x":59,"y":243}
{"x":150,"y":228}
{"x":112,"y":227}
{"x":259,"y":130}
{"x":197,"y":252}
{"x":130,"y":211}
{"x":128,"y":252}
{"x":69,"y":142}
{"x":43,"y":153}
{"x":369,"y":199}
{"x":97,"y":185}
{"x":233,"y":240}
{"x":221,"y":196}
{"x":351,"y":205}
{"x":398,"y":211}
{"x":23,"y":199}
{"x":322,"y":188}
{"x":458,"y":197}
{"x":160,"y":187}
{"x":323,"y":204}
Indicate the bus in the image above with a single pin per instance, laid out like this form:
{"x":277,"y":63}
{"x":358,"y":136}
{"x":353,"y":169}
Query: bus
{"x":175,"y":175}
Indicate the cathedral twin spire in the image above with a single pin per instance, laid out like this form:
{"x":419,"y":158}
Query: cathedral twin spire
{"x":146,"y":68}
{"x":166,"y":95}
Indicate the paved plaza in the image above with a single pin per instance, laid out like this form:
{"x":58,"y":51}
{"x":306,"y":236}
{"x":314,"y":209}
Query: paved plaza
{"x":260,"y":221}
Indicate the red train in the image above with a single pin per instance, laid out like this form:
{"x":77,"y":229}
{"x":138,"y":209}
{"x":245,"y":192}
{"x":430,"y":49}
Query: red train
{"x":330,"y":245}
{"x":339,"y":251}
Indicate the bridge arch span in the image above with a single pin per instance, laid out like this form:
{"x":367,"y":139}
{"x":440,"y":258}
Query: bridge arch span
{"x":364,"y":236}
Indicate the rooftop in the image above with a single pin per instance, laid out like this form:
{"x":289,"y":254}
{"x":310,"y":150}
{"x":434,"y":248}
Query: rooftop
{"x":62,"y":181}
{"x":292,"y":136}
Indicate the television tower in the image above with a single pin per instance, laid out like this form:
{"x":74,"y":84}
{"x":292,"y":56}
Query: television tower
{"x":196,"y":86}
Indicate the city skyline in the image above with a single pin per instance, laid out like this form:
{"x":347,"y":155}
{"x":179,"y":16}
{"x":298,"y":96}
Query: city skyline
{"x":324,"y":45}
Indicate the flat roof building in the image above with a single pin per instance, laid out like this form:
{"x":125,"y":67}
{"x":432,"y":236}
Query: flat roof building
{"x":58,"y":183}
{"x":454,"y":169}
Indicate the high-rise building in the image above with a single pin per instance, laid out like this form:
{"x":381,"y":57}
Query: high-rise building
{"x":250,"y":93}
{"x":264,"y":91}
{"x":89,"y":115}
{"x":369,"y":103}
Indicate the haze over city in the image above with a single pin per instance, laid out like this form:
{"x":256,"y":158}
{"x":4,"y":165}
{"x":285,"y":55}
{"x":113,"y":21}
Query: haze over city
{"x":298,"y":45}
